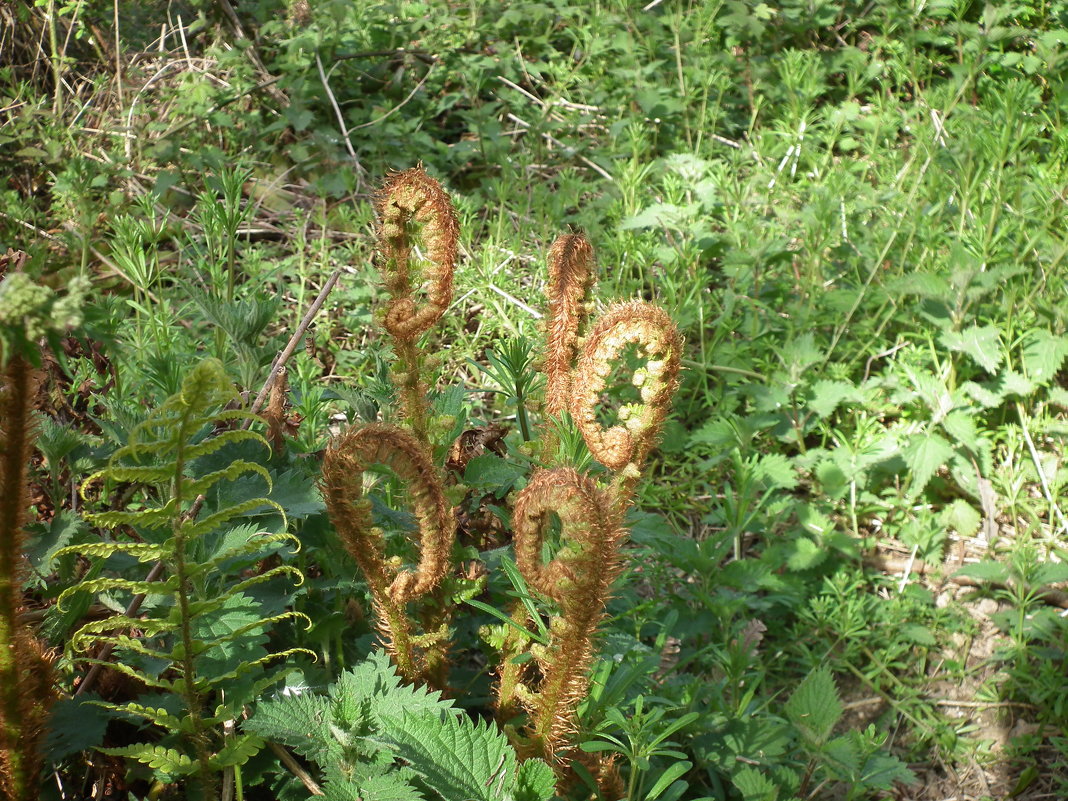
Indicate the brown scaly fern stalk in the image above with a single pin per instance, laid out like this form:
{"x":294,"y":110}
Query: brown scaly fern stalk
{"x":578,"y":580}
{"x":624,"y":446}
{"x":26,"y":688}
{"x":570,"y":282}
{"x":412,"y":205}
{"x":347,"y":458}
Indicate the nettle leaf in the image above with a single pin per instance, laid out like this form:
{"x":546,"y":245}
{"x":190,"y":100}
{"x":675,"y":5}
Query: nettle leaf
{"x":962,"y":517}
{"x":827,"y":395}
{"x":814,"y":707}
{"x":535,"y":781}
{"x":490,"y":473}
{"x":77,"y":724}
{"x":775,"y":471}
{"x":924,"y":454}
{"x":961,"y":426}
{"x":363,"y":784}
{"x":981,"y":343}
{"x":754,"y":785}
{"x":1043,"y":355}
{"x":1012,"y":383}
{"x":459,"y":759}
{"x":298,"y":720}
{"x":985,"y":571}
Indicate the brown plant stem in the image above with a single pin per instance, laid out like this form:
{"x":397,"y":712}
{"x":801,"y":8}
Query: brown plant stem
{"x":26,"y":689}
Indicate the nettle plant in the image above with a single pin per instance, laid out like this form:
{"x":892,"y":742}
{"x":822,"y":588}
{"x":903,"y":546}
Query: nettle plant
{"x":546,"y":643}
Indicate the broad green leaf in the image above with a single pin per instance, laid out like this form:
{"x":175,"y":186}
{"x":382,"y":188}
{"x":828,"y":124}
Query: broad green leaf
{"x":981,"y":343}
{"x":962,"y":428}
{"x":814,"y":707}
{"x":1012,"y":383}
{"x":985,"y":571}
{"x":754,"y":785}
{"x":76,"y":724}
{"x":535,"y":781}
{"x":456,"y":758}
{"x":806,"y":554}
{"x":827,"y":395}
{"x":1043,"y":354}
{"x":490,"y":473}
{"x":962,"y":517}
{"x":924,"y":454}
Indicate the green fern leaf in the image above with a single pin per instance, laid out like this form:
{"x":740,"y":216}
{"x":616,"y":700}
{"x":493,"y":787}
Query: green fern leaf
{"x":159,"y":716}
{"x":237,"y":751}
{"x":150,"y":519}
{"x":168,"y":760}
{"x":141,"y":551}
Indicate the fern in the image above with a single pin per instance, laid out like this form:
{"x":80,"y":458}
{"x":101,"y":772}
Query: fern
{"x":380,"y":740}
{"x":206,"y":643}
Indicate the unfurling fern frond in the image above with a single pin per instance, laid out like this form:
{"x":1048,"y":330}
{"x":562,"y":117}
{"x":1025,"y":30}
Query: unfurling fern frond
{"x":210,"y":636}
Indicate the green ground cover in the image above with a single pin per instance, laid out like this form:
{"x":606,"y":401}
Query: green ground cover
{"x":845,"y":573}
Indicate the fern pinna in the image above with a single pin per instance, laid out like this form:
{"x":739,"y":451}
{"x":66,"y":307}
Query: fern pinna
{"x":204,"y":644}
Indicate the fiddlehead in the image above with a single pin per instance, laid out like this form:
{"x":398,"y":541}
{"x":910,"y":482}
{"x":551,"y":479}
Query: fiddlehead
{"x":346,"y":460}
{"x":578,"y":580}
{"x":412,"y":205}
{"x":570,"y":280}
{"x":625,"y":445}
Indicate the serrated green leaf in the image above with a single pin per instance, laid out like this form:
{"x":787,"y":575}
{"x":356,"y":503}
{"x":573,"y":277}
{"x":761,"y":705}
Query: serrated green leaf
{"x":827,"y":395}
{"x":491,"y":473}
{"x":535,"y":781}
{"x":754,"y":785}
{"x":455,"y":757}
{"x":981,"y":343}
{"x":844,"y":756}
{"x":814,"y":707}
{"x":1043,"y":355}
{"x":985,"y":571}
{"x":775,"y":471}
{"x":1012,"y":383}
{"x":76,"y":724}
{"x":962,"y":428}
{"x":805,"y":554}
{"x":962,"y":517}
{"x":924,"y":454}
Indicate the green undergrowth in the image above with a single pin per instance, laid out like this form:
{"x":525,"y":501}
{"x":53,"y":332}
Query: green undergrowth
{"x":853,"y":212}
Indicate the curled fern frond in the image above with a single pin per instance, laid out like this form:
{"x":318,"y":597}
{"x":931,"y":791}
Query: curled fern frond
{"x":570,"y":280}
{"x":649,"y":327}
{"x":412,"y":205}
{"x":407,"y":198}
{"x":578,"y":580}
{"x":346,"y":460}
